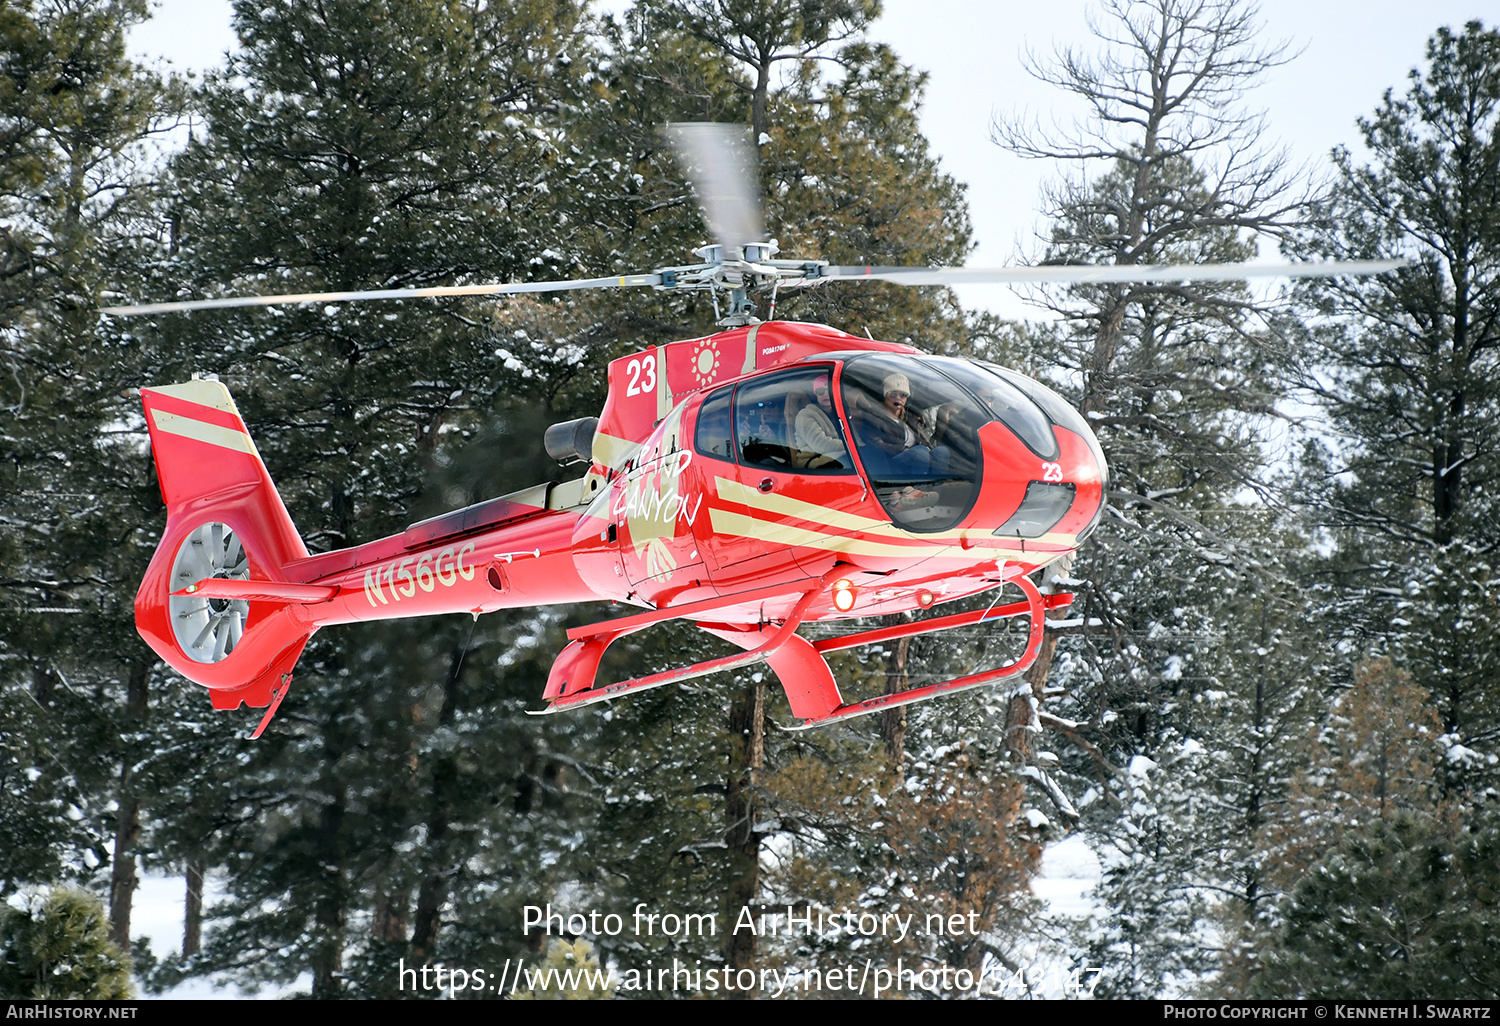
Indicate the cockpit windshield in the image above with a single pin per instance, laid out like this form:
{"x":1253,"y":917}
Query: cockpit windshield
{"x":915,"y":423}
{"x":917,"y":434}
{"x":1006,"y":401}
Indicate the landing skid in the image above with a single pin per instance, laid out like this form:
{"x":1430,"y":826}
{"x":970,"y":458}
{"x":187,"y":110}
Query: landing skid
{"x":798,"y":664}
{"x":1035,"y":605}
{"x":571,"y":682}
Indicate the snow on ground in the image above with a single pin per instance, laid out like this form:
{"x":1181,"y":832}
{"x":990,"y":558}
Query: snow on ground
{"x":1065,"y":885}
{"x":1070,"y":871}
{"x":157,"y":914}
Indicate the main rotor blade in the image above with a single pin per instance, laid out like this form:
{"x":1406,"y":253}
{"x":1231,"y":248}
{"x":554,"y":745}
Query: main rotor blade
{"x":1053,"y":273}
{"x":510,"y":288}
{"x":721,"y":163}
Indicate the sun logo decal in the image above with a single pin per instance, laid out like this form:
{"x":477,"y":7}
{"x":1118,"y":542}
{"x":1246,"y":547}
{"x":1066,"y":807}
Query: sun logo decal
{"x":706,"y":362}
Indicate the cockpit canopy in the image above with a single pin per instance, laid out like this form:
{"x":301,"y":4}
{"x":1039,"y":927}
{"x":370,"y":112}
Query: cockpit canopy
{"x":916,"y":426}
{"x":913,"y":422}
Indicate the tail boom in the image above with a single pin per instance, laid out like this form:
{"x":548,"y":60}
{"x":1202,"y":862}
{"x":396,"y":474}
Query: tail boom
{"x":511,"y":566}
{"x":232,"y":596}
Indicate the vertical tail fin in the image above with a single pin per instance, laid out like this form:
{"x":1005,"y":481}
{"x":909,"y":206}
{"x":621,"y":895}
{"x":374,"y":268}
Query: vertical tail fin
{"x":225,"y":521}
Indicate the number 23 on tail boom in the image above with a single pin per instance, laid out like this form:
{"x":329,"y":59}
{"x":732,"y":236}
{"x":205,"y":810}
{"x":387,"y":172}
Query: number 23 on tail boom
{"x":749,"y":482}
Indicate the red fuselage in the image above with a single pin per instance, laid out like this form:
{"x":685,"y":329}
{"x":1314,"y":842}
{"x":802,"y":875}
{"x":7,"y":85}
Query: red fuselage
{"x":677,"y":524}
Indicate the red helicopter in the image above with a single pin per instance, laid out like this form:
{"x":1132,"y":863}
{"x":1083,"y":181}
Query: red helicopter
{"x":751,"y":481}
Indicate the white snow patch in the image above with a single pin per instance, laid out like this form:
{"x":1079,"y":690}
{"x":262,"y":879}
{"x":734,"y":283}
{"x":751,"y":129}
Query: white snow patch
{"x":1140,"y":767}
{"x":1069,"y":873}
{"x":157,"y":913}
{"x":1464,"y":756}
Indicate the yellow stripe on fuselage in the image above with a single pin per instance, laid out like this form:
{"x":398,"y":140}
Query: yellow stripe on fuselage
{"x":741,"y":526}
{"x":782,"y":505}
{"x":612,"y":451}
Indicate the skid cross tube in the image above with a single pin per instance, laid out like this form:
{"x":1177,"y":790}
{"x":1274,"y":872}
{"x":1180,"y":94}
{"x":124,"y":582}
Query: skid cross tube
{"x":1035,"y":604}
{"x":573,"y":698}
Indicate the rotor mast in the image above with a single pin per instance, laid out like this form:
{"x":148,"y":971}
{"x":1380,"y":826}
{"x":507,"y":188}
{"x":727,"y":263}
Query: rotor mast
{"x":747,"y":268}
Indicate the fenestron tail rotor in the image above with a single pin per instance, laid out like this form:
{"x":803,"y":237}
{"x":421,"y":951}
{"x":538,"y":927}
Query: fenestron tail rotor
{"x":720,"y":161}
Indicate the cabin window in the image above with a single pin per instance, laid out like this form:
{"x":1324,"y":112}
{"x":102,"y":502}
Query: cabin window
{"x":787,"y":422}
{"x":714,"y":435}
{"x":917,"y":434}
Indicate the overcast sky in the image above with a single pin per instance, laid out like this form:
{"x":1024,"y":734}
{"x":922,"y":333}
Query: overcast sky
{"x":972,"y":50}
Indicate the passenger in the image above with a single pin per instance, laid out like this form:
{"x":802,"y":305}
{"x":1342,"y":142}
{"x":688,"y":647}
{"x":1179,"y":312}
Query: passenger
{"x":753,"y":425}
{"x":814,"y":431}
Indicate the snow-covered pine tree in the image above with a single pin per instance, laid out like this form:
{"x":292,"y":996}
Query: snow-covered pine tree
{"x":945,"y":840}
{"x":1382,"y":884}
{"x":359,"y":145}
{"x":57,"y":948}
{"x":851,"y":179}
{"x":1402,"y":908}
{"x":848,"y":176}
{"x":75,"y":117}
{"x":1407,"y":367}
{"x":1161,"y":661}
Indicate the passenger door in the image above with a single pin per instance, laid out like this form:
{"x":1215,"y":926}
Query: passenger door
{"x":769,"y":483}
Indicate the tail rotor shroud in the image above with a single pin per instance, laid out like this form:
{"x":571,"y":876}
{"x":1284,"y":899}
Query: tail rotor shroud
{"x":208,"y":629}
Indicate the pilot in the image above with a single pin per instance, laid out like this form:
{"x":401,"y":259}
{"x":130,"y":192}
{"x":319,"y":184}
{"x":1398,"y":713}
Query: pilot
{"x":895,"y":437}
{"x":814,"y":431}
